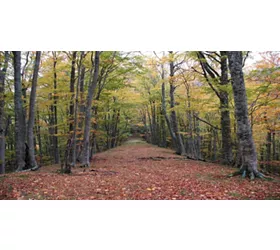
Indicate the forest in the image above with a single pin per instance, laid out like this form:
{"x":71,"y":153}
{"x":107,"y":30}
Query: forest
{"x":139,"y":125}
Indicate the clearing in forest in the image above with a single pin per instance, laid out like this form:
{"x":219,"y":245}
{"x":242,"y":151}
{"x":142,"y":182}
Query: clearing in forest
{"x":140,"y":171}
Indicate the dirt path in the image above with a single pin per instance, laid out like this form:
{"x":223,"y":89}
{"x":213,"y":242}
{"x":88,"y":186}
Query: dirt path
{"x":137,"y":170}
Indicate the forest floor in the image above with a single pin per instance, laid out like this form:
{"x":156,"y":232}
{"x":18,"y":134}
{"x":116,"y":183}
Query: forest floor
{"x":137,"y":171}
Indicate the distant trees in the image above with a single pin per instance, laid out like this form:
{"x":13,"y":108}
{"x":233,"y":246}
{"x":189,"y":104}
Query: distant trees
{"x":208,"y":128}
{"x":66,"y":106}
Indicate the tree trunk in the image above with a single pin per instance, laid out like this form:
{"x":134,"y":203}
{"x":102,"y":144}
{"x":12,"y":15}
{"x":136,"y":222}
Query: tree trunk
{"x":32,"y":103}
{"x":197,"y":139}
{"x":76,"y":105}
{"x":273,"y":147}
{"x":72,"y":90}
{"x":225,"y":115}
{"x":244,"y":133}
{"x":3,"y":71}
{"x":173,"y":117}
{"x":19,"y":115}
{"x":268,"y":146}
{"x":190,"y":140}
{"x":94,"y":78}
{"x":39,"y":133}
{"x":81,"y":110}
{"x":54,"y":114}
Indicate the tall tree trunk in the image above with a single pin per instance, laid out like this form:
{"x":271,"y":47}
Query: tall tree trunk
{"x":244,"y":133}
{"x":72,"y":90}
{"x":93,"y":83}
{"x":163,"y":108}
{"x":225,"y":115}
{"x":95,"y":127}
{"x":174,"y":122}
{"x":74,"y":148}
{"x":19,"y":114}
{"x":190,"y":140}
{"x":81,"y":110}
{"x":3,"y":70}
{"x":32,"y":103}
{"x":39,"y":133}
{"x":54,"y":113}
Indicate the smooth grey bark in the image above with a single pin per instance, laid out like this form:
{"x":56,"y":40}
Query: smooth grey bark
{"x":76,"y":106}
{"x":244,"y":133}
{"x":3,"y":70}
{"x":39,"y":133}
{"x":163,"y":106}
{"x":19,"y":113}
{"x":190,"y":140}
{"x":32,"y":104}
{"x":92,"y":86}
{"x":72,"y":90}
{"x":81,"y":111}
{"x":227,"y":155}
{"x":54,"y":114}
{"x":180,"y":148}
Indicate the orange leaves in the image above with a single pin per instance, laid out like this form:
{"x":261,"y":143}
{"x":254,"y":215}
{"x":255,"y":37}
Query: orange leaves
{"x":136,"y":171}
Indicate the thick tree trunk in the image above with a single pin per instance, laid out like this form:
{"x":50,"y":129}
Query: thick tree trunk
{"x":86,"y":147}
{"x":3,"y":70}
{"x":81,"y":111}
{"x":32,"y":103}
{"x":76,"y":106}
{"x":39,"y":133}
{"x":19,"y":115}
{"x":225,"y":115}
{"x":173,"y":117}
{"x":244,"y":133}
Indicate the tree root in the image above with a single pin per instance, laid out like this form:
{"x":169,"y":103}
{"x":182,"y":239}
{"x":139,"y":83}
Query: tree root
{"x":251,"y":175}
{"x":29,"y":169}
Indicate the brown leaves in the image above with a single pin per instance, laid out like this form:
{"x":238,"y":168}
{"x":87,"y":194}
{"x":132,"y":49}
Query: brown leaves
{"x":122,"y":173}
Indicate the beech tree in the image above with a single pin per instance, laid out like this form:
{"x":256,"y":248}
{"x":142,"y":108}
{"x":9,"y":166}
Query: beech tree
{"x":169,"y":98}
{"x":32,"y":103}
{"x":92,"y":87}
{"x":173,"y":117}
{"x":3,"y":69}
{"x":244,"y":132}
{"x":19,"y":113}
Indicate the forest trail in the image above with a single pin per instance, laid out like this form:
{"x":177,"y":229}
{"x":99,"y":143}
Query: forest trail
{"x":137,"y":170}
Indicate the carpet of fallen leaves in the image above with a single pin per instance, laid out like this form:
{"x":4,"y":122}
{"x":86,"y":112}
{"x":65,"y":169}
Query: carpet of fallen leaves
{"x":137,"y":171}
